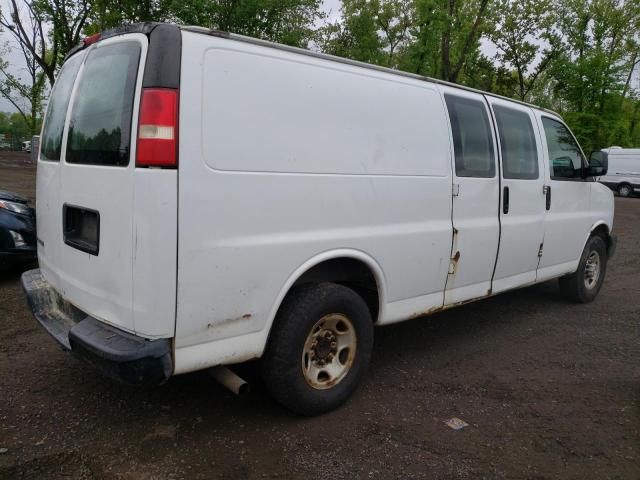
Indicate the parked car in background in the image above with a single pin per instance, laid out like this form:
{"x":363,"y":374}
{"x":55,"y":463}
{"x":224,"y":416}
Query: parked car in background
{"x":623,"y":176}
{"x":26,"y":146}
{"x":194,"y":213}
{"x":35,"y":146}
{"x":17,"y":230}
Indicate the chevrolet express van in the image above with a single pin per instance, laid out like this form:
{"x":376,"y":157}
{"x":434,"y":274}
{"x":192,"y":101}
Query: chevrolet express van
{"x":623,"y":176}
{"x":205,"y":199}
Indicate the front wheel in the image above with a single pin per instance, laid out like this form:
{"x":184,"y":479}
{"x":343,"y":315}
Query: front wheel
{"x":583,"y":285}
{"x":319,"y":348}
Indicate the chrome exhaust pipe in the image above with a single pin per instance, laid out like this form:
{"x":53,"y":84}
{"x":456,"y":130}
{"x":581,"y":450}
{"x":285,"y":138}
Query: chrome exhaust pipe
{"x":230,"y":380}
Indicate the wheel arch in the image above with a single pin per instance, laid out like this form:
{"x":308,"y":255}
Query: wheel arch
{"x":325,"y":258}
{"x":602,"y":229}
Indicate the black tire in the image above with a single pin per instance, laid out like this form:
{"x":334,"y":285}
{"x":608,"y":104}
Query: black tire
{"x":625,"y":190}
{"x":282,"y":363}
{"x":575,"y":286}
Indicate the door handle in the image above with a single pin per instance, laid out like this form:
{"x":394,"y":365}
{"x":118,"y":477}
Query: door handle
{"x":505,"y":200}
{"x":548,"y":192}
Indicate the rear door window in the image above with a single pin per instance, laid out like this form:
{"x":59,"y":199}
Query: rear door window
{"x":472,"y":142}
{"x":51,"y":142}
{"x":100,"y":125}
{"x":517,"y":144}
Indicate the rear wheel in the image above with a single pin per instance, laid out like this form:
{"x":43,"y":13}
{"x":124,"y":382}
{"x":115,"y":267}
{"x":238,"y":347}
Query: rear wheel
{"x":625,"y":190}
{"x":583,"y":285}
{"x":319,"y":348}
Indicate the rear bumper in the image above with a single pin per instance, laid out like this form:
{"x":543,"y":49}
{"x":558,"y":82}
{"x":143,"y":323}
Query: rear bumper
{"x":119,"y":355}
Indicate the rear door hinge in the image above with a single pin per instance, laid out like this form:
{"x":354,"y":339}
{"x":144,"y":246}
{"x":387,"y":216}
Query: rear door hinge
{"x":540,"y":250}
{"x":455,"y":190}
{"x":453,"y":263}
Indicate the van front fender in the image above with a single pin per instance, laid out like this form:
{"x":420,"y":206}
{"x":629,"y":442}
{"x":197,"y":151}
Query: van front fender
{"x":601,"y":228}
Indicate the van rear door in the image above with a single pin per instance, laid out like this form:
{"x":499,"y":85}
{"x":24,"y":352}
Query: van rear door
{"x":107,"y":230}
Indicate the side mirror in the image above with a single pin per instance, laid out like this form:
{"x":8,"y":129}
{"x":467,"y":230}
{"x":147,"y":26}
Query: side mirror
{"x":598,"y":164}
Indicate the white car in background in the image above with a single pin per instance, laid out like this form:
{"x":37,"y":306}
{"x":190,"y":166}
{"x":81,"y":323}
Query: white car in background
{"x":623,"y":176}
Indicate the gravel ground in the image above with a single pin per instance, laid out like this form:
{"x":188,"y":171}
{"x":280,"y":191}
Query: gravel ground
{"x":549,"y":389}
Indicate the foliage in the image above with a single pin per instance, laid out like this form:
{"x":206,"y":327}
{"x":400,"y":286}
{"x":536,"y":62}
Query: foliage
{"x":523,"y":28}
{"x":597,"y":56}
{"x":578,"y":57}
{"x":106,"y":14}
{"x":373,"y":31}
{"x":284,"y":21}
{"x":17,"y":129}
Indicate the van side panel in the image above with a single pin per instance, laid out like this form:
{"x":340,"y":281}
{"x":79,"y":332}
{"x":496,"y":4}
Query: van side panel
{"x":295,"y":114}
{"x":263,"y":189}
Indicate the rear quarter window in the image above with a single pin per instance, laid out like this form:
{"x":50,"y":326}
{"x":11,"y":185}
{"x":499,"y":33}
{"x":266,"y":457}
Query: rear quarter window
{"x":100,"y":125}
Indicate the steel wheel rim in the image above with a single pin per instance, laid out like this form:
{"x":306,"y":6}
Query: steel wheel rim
{"x":592,"y":270}
{"x":625,"y":191}
{"x":329,"y":351}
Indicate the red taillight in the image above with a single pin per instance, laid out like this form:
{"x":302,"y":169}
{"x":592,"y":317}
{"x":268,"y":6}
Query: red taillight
{"x":91,"y":39}
{"x":158,"y":128}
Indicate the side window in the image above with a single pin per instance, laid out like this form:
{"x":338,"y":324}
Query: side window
{"x":51,"y":142}
{"x":565,"y":157}
{"x":517,"y":144}
{"x":472,"y":142}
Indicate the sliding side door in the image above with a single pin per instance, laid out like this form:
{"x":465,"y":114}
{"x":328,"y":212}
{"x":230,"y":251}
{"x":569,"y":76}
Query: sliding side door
{"x":476,"y":197}
{"x":522,"y":211}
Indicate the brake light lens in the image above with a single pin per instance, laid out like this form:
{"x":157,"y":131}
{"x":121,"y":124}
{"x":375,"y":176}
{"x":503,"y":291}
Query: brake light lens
{"x":91,"y":39}
{"x":158,"y":128}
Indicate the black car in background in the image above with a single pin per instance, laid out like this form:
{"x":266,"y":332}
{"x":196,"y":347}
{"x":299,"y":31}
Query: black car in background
{"x":17,"y":230}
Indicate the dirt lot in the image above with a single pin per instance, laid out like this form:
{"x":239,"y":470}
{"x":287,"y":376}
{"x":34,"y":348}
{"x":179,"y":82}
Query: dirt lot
{"x":550,"y":390}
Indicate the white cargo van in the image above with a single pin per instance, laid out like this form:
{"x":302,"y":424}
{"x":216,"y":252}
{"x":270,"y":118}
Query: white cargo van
{"x":623,"y":175}
{"x":205,"y":199}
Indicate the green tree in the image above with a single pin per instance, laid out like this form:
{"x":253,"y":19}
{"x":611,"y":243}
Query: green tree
{"x":355,"y":34}
{"x":46,"y":29}
{"x":24,"y":88}
{"x":447,"y":37}
{"x":522,"y":27}
{"x":599,"y":49}
{"x":106,"y":14}
{"x":291,"y":22}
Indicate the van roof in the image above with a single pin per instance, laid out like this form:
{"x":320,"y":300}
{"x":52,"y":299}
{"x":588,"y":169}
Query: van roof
{"x":147,"y":27}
